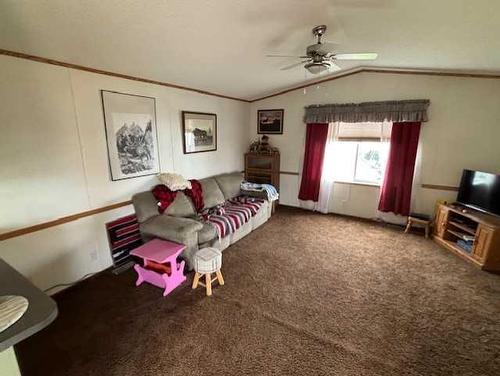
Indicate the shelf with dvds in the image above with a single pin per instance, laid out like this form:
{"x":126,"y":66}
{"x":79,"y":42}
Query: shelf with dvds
{"x":472,"y":235}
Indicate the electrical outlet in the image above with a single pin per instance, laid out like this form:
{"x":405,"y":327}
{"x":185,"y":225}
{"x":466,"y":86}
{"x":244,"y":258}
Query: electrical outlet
{"x":93,"y":255}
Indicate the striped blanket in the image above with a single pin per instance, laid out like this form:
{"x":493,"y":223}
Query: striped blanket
{"x":231,"y":215}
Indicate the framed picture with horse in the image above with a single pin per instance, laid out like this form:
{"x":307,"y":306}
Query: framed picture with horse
{"x":199,"y":131}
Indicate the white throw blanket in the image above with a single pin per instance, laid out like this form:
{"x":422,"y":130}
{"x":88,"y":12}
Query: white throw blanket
{"x":272,"y":193}
{"x":174,"y":182}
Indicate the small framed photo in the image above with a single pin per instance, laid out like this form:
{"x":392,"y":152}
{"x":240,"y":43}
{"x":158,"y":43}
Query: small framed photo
{"x":130,"y":124}
{"x":270,"y":121}
{"x":200,"y":132}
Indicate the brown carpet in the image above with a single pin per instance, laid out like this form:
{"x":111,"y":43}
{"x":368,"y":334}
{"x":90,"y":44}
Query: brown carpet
{"x":305,"y":294}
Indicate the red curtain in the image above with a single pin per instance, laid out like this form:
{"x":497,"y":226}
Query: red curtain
{"x":396,"y":191}
{"x":316,"y":135}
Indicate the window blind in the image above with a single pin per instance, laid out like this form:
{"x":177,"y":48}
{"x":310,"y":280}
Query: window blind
{"x":364,"y":131}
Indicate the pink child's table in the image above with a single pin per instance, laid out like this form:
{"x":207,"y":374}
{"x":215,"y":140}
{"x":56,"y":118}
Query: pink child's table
{"x":160,"y":264}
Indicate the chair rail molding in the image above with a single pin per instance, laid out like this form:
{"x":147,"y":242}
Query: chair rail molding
{"x":61,"y":221}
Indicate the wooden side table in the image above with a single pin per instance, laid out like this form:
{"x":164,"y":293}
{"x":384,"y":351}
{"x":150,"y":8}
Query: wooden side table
{"x":160,"y":266}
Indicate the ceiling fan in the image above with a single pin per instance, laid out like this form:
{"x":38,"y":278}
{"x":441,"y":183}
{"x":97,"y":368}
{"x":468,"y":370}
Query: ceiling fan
{"x":319,"y":57}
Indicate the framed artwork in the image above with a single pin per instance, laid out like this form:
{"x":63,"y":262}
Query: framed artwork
{"x":130,"y":123}
{"x":270,"y":121}
{"x":200,"y":132}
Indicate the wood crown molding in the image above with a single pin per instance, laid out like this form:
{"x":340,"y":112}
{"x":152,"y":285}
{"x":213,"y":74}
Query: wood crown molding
{"x":373,"y":69}
{"x":361,"y":69}
{"x":40,"y":59}
{"x":60,"y":221}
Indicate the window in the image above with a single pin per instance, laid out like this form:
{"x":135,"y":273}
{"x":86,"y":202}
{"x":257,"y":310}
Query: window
{"x":358,"y":158}
{"x":370,"y":161}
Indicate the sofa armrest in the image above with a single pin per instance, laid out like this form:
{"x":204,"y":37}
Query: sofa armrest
{"x":176,"y":229}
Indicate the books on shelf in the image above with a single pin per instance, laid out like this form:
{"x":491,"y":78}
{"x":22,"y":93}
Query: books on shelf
{"x":465,"y":245}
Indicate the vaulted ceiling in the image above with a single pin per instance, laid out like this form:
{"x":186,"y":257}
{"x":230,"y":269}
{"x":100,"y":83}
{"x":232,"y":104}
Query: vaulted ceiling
{"x":220,"y":45}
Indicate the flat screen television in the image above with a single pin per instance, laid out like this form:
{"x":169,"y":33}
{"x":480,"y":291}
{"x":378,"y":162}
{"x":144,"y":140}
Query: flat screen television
{"x":480,"y":190}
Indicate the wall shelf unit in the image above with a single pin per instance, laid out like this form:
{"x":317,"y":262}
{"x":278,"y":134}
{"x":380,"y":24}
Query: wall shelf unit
{"x":263,"y":168}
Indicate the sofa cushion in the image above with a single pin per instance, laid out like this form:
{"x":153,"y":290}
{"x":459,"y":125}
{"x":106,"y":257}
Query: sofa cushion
{"x":230,"y":184}
{"x":262,"y":215}
{"x":241,"y":232}
{"x":144,"y":205}
{"x":181,"y":206}
{"x":171,"y":228}
{"x":207,"y":233}
{"x":212,"y":195}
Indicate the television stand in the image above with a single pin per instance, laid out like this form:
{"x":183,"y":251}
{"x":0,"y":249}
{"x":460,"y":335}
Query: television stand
{"x":471,"y":234}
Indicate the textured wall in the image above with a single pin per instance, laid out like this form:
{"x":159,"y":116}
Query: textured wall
{"x":463,"y":132}
{"x":53,"y":161}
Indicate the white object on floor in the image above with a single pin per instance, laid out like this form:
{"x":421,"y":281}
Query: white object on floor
{"x":12,"y":308}
{"x":174,"y":182}
{"x":207,"y":261}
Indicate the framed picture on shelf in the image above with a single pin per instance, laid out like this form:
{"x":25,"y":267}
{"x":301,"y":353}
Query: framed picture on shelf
{"x":199,"y":131}
{"x":270,"y":121}
{"x":130,"y":124}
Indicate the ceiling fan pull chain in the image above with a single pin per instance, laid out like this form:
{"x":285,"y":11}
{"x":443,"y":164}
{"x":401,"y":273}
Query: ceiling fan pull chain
{"x":305,"y":78}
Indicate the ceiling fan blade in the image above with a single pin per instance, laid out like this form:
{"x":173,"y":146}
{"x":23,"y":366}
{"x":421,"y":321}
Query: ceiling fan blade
{"x":300,"y":57}
{"x":361,"y":56}
{"x":294,"y":65}
{"x":334,"y":67}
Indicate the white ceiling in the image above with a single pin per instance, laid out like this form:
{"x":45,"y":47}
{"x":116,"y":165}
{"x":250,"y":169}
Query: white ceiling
{"x":220,"y":45}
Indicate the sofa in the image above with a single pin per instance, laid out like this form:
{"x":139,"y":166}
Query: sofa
{"x":180,"y":223}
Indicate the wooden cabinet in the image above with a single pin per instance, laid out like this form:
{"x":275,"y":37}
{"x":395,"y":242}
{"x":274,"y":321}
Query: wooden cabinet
{"x":453,"y":223}
{"x":484,"y":236}
{"x":441,"y":219}
{"x":263,"y":168}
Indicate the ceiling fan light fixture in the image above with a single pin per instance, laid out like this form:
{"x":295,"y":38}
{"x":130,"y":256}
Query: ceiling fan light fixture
{"x":321,"y":57}
{"x":317,"y":68}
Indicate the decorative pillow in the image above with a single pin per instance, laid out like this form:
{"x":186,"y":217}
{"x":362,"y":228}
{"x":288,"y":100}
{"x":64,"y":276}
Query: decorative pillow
{"x":174,"y":182}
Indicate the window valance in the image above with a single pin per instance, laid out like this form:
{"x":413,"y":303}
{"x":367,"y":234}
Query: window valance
{"x":393,"y":111}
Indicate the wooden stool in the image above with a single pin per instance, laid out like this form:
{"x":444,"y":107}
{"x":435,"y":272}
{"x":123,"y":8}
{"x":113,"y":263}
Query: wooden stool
{"x":208,"y":280}
{"x":420,"y":219}
{"x":206,"y":262}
